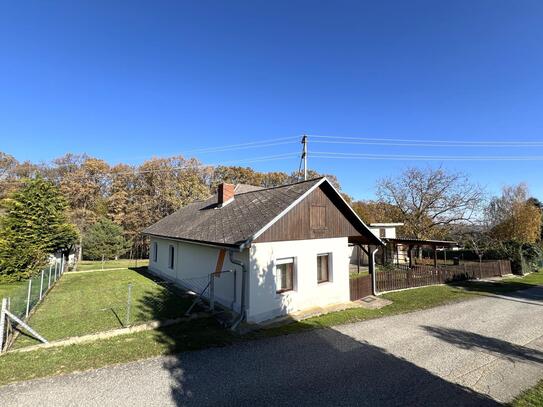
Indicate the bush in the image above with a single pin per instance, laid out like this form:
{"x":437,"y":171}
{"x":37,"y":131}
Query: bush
{"x":105,"y":240}
{"x":524,"y":257}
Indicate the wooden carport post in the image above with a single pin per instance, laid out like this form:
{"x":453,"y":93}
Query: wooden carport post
{"x":434,"y":246}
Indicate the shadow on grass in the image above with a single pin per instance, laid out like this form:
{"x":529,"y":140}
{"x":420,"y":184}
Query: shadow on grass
{"x":315,"y":367}
{"x":494,"y":346}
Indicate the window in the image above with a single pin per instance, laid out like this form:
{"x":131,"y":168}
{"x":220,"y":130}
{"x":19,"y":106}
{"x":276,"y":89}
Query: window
{"x":171,"y":257}
{"x":382,"y":232}
{"x":284,"y":275}
{"x":155,"y":252}
{"x":317,"y":217}
{"x":323,"y":266}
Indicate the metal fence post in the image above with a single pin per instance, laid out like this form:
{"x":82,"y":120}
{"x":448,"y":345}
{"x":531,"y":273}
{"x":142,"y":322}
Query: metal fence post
{"x":41,"y":285}
{"x":28,"y":297}
{"x":61,"y":265}
{"x":128,"y":303}
{"x":2,"y":323}
{"x":49,"y":281}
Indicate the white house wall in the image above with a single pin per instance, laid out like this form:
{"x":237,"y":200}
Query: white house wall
{"x":265,"y":303}
{"x":192,"y":266}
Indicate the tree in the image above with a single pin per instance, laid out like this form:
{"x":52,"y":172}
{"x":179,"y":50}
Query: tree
{"x":34,"y":225}
{"x":431,"y":200}
{"x":376,"y":211}
{"x":105,"y":240}
{"x":513,"y":216}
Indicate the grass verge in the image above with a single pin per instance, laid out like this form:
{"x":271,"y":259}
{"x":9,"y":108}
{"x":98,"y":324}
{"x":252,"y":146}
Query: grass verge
{"x":530,"y":398}
{"x":206,"y":333}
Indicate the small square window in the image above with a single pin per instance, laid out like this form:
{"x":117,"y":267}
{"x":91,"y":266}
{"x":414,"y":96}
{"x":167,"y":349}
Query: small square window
{"x":323,"y":266}
{"x":284,"y":275}
{"x":382,"y":232}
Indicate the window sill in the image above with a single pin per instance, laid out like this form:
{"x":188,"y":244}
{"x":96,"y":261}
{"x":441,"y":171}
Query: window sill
{"x":319,"y":283}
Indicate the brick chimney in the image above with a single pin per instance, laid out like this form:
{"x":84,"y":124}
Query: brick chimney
{"x":225,"y":193}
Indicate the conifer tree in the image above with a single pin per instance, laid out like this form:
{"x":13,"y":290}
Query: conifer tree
{"x":34,"y":224}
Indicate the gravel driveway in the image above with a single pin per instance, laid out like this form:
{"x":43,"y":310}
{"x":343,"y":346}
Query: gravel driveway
{"x":477,"y":353}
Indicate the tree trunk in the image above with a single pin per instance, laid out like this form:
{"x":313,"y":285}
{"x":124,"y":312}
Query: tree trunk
{"x":80,"y":249}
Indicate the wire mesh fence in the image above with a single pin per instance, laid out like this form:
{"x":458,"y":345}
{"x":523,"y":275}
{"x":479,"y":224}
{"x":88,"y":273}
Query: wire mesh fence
{"x":20,"y":299}
{"x":89,"y":303}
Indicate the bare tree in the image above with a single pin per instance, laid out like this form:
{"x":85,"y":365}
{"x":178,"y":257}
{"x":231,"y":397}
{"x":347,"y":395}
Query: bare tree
{"x":432,"y":200}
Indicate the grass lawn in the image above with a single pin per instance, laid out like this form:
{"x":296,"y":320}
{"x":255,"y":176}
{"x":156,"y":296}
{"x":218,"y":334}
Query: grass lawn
{"x":12,"y":289}
{"x":83,"y":303}
{"x":18,"y":293}
{"x":532,"y":397}
{"x":109,"y":264}
{"x":205,"y":333}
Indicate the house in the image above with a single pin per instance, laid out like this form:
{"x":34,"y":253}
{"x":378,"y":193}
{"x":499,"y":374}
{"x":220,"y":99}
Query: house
{"x":262,"y":252}
{"x":397,"y":250}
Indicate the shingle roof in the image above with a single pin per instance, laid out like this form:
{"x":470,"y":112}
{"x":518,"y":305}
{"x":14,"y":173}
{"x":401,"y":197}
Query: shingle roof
{"x":251,"y":210}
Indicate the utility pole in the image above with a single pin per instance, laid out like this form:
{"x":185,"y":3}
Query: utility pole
{"x":304,"y":155}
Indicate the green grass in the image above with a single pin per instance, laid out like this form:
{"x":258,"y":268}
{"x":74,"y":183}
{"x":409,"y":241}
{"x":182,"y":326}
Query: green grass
{"x":11,"y":289}
{"x":530,"y":398}
{"x":85,"y":303}
{"x":206,"y":333}
{"x":109,"y":264}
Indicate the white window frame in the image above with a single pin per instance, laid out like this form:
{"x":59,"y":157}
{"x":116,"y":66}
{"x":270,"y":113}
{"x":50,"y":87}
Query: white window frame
{"x":171,"y":257}
{"x":330,"y":268}
{"x":278,"y":262}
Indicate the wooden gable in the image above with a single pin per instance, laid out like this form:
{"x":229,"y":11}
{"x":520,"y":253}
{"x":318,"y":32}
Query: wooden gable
{"x":318,"y":216}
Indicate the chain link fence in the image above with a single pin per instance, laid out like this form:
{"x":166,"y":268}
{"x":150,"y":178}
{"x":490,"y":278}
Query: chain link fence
{"x":21,"y":299}
{"x":91,"y":303}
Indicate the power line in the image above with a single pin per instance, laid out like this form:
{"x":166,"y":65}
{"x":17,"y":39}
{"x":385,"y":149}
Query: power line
{"x":423,"y":144}
{"x":510,"y":143}
{"x":243,"y":146}
{"x":335,"y":155}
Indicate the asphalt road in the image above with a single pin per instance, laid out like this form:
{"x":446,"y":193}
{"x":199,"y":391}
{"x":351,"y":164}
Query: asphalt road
{"x":474,"y":353}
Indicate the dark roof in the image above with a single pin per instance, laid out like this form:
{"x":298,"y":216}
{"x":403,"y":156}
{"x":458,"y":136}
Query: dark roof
{"x":235,"y":223}
{"x":251,"y":210}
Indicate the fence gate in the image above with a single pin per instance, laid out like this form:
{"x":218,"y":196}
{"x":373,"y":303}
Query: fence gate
{"x":360,"y":287}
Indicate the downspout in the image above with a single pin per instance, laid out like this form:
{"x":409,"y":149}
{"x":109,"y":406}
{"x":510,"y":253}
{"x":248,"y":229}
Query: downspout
{"x":242,"y":313}
{"x":371,"y":266}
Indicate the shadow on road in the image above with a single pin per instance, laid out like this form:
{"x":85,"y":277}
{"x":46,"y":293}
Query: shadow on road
{"x":508,"y":290}
{"x":315,"y":367}
{"x":494,"y":346}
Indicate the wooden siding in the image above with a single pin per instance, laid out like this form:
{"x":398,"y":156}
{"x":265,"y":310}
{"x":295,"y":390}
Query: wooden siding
{"x":360,"y":287}
{"x":316,"y":217}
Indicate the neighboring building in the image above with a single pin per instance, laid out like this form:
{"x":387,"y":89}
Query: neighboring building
{"x":397,"y":250}
{"x":292,"y":241}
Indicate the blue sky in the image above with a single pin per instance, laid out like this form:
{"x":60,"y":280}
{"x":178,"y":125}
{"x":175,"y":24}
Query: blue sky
{"x":125,"y":81}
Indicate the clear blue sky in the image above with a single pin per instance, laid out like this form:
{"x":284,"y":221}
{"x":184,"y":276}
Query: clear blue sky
{"x":124,"y":81}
